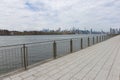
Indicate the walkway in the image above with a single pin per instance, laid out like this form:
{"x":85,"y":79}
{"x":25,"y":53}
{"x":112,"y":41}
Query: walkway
{"x":98,"y":62}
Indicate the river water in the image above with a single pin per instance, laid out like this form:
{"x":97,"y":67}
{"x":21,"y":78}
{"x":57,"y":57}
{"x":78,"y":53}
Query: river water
{"x":11,"y":40}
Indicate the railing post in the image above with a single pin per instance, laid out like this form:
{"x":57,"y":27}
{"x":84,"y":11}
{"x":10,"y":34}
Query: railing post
{"x":97,"y":39}
{"x":100,"y":38}
{"x":88,"y":41}
{"x":93,"y":41}
{"x":54,"y":50}
{"x":25,"y":61}
{"x":71,"y":46}
{"x":104,"y":38}
{"x":81,"y":43}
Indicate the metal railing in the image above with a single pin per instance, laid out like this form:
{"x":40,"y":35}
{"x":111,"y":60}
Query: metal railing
{"x":21,"y":56}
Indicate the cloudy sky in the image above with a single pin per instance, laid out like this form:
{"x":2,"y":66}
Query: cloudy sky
{"x":52,"y":14}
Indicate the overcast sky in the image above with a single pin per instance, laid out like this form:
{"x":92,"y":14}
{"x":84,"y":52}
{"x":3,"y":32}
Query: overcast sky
{"x":52,"y":14}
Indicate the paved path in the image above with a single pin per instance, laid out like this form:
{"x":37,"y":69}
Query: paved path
{"x":98,"y":62}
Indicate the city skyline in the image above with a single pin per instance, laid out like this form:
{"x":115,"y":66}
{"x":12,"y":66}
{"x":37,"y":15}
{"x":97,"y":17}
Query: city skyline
{"x":42,"y":14}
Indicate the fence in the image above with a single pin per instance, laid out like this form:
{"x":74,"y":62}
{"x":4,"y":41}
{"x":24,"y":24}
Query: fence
{"x":21,"y":56}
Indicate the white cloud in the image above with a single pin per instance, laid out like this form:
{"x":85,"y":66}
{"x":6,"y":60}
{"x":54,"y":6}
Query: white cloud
{"x":38,"y":14}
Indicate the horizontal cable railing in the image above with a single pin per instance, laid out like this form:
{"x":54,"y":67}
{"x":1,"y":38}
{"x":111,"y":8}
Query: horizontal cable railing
{"x":21,"y":56}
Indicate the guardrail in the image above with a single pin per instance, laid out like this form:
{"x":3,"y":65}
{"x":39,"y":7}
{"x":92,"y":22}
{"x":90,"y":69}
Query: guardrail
{"x":14,"y":57}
